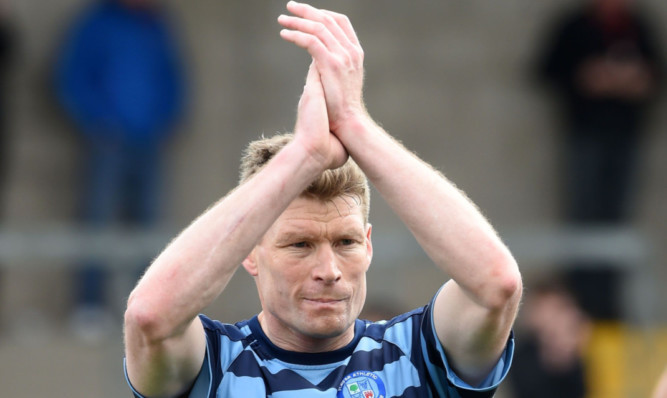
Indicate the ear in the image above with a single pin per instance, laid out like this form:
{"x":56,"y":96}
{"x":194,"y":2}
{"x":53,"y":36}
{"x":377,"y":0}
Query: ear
{"x":250,"y":265}
{"x":369,"y":244}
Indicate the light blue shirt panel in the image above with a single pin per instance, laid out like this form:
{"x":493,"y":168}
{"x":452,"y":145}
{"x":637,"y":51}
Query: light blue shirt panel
{"x":400,"y":334}
{"x":367,"y":344}
{"x":229,"y":350}
{"x":246,"y":387}
{"x":399,"y":375}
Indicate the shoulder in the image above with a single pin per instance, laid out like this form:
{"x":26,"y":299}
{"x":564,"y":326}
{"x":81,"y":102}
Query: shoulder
{"x":228,"y":344}
{"x":232,"y":332}
{"x":400,"y":323}
{"x":224,"y":337}
{"x":400,"y":331}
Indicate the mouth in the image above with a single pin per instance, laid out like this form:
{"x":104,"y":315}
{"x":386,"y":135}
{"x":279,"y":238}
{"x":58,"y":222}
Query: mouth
{"x":324,"y":300}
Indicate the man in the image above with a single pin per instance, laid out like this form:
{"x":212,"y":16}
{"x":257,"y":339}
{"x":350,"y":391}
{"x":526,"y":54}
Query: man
{"x":120,"y":79}
{"x":308,"y":246}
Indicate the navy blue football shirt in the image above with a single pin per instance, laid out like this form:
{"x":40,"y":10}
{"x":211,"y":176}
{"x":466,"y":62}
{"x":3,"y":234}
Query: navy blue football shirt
{"x":398,"y":358}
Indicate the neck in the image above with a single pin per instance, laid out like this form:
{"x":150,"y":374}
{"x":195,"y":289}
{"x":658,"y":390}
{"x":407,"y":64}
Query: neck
{"x":290,"y":339}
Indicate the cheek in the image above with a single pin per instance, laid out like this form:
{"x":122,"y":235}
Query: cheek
{"x":358,"y":259}
{"x":278,"y":280}
{"x":356,"y":278}
{"x":357,"y":267}
{"x":357,"y":304}
{"x":361,"y":286}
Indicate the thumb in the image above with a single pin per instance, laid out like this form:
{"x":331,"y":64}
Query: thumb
{"x":312,"y":90}
{"x":313,"y":77}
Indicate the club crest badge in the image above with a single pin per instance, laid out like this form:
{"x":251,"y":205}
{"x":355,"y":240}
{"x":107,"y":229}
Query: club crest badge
{"x":361,"y":384}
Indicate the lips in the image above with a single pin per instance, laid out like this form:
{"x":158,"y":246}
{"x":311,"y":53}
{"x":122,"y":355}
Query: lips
{"x":325,"y":300}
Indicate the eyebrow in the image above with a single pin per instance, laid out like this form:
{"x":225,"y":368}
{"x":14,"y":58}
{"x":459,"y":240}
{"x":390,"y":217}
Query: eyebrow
{"x":294,"y":236}
{"x":301,"y":235}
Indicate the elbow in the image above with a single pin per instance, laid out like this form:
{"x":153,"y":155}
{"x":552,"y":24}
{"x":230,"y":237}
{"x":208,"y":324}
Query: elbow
{"x":505,"y":286}
{"x":142,"y":322}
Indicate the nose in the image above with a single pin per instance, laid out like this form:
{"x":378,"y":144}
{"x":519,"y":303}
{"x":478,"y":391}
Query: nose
{"x":327,"y":267}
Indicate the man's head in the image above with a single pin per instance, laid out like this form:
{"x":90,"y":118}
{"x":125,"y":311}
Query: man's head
{"x":310,"y":266}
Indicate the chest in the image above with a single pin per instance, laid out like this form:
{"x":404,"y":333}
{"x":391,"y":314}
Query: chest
{"x":364,"y":375}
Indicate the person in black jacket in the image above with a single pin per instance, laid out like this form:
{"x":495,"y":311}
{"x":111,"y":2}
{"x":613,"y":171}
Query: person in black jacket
{"x":6,"y":51}
{"x":604,"y":62}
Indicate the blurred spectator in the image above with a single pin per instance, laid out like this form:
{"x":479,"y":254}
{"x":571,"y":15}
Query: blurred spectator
{"x":604,"y":61}
{"x":554,"y":331}
{"x":6,"y":50}
{"x":119,"y":77}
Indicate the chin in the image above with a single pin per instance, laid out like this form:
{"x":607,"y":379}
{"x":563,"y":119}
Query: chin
{"x":327,"y":328}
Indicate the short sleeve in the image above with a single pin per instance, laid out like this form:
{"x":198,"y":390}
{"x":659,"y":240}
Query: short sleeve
{"x":203,"y":384}
{"x":443,"y":378}
{"x":129,"y":383}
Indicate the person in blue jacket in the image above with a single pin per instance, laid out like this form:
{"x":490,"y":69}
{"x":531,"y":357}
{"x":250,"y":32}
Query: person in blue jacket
{"x":120,"y":79}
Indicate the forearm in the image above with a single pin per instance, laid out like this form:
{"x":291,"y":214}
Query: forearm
{"x":486,"y":286}
{"x":473,"y":313}
{"x":447,"y":225}
{"x":165,"y":343}
{"x":196,"y":266}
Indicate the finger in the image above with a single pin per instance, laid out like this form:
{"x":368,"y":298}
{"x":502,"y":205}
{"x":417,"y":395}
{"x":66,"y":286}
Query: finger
{"x":318,"y":29}
{"x":311,"y":43}
{"x":329,"y":19}
{"x":345,"y":25}
{"x":313,"y":76}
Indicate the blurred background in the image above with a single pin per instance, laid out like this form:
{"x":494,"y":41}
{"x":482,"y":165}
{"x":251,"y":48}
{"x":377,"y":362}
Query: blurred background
{"x":120,"y":123}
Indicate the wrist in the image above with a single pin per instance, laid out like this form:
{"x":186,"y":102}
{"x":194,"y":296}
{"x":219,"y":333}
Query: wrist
{"x":352,"y":124}
{"x":306,"y":159}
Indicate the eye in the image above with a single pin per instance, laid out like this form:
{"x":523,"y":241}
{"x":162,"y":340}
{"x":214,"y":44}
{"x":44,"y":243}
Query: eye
{"x":300,"y":245}
{"x":347,"y":242}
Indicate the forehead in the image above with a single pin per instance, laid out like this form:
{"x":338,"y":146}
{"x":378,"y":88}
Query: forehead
{"x":303,"y":212}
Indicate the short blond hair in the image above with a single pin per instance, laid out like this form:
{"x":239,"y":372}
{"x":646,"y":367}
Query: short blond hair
{"x":347,"y":180}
